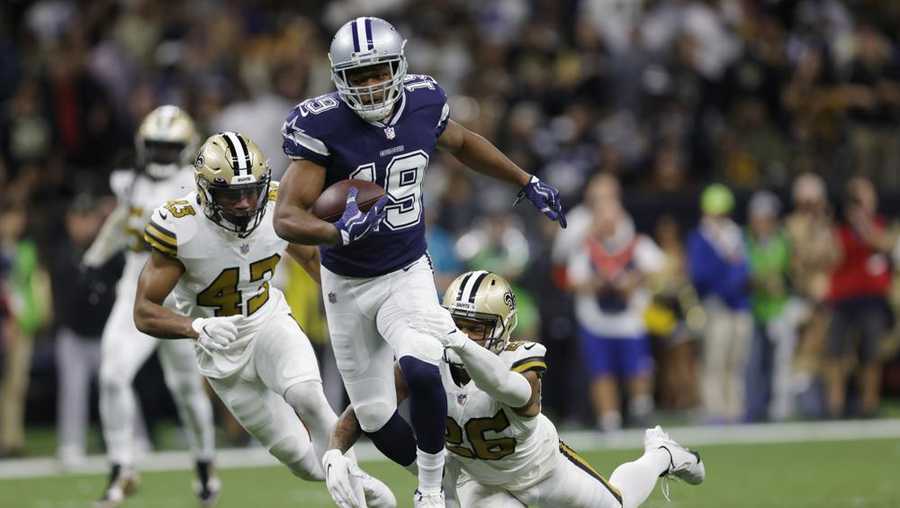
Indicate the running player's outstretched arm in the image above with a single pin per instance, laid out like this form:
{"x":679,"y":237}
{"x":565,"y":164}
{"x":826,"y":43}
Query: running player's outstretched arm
{"x":300,"y":186}
{"x":110,"y":240}
{"x":158,"y":278}
{"x":307,"y":257}
{"x":481,"y":155}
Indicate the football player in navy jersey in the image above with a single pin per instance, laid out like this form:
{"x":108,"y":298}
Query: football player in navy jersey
{"x":382,"y":125}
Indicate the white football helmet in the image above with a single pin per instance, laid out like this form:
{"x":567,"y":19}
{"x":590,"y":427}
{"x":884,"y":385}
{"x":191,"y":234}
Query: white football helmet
{"x":166,"y":141}
{"x":365,"y":42}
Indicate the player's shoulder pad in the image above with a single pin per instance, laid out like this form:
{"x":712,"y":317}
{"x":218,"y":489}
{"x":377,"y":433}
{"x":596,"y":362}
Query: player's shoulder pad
{"x":425,"y":88}
{"x":120,"y":181}
{"x":309,"y":126}
{"x":525,"y":355}
{"x":424,"y":93}
{"x":171,"y":224}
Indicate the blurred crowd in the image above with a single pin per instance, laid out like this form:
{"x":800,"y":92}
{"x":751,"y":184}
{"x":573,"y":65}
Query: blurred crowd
{"x":666,"y":293}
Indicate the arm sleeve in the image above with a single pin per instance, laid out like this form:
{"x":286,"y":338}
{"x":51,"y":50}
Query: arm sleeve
{"x":160,"y":235}
{"x":491,"y":374}
{"x":109,"y":241}
{"x":445,"y":117}
{"x":299,"y":138}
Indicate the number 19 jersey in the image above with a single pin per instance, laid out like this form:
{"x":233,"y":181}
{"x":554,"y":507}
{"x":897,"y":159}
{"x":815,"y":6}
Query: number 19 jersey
{"x":493,"y":444}
{"x":225,"y":275}
{"x":393,"y":153}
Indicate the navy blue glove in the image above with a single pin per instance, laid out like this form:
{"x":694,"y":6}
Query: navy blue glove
{"x":356,"y":224}
{"x":545,"y":198}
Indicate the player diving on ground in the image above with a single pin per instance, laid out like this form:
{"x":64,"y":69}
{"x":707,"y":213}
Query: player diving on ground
{"x":383,"y":125}
{"x":503,"y":451}
{"x":215,"y":252}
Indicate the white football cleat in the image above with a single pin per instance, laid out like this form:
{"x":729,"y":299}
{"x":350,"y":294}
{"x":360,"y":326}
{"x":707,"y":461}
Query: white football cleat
{"x":208,"y":495}
{"x":378,"y":495}
{"x":123,"y":482}
{"x":433,"y":500}
{"x":684,"y":464}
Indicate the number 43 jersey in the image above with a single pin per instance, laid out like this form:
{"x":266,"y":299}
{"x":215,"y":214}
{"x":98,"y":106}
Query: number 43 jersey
{"x":493,"y":444}
{"x":225,"y":275}
{"x":393,"y":153}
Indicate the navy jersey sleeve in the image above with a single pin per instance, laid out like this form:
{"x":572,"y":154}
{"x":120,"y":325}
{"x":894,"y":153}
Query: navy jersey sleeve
{"x":304,"y":130}
{"x":445,"y":112}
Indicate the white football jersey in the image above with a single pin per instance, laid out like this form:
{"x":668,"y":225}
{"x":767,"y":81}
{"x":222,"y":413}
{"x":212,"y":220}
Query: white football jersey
{"x":493,"y":444}
{"x":225,"y":275}
{"x":141,"y":194}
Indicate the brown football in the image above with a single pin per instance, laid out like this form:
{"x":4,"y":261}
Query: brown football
{"x":331,"y":203}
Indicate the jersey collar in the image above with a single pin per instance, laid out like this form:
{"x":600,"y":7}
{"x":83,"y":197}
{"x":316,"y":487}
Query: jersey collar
{"x":395,"y":116}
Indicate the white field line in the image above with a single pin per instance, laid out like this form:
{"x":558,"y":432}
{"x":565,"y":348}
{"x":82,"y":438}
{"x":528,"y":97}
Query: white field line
{"x":697,"y":436}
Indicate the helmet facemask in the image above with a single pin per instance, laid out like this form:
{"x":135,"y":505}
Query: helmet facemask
{"x":165,"y":142}
{"x":161,"y":159}
{"x":488,"y":330}
{"x":236,"y":208}
{"x":376,"y":102}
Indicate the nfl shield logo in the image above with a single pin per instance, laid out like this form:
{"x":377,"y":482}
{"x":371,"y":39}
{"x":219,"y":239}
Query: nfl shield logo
{"x":245,"y":248}
{"x":461,"y":398}
{"x":332,"y":297}
{"x":389,"y":132}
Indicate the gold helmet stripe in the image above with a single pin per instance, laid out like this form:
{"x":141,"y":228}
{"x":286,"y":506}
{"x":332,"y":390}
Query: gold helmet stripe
{"x":240,"y":156}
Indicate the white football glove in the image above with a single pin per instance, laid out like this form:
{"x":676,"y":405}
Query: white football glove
{"x":343,"y":479}
{"x":216,"y":333}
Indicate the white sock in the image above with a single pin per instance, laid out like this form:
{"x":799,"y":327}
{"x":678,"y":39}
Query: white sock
{"x":431,"y":470}
{"x":641,"y":406}
{"x":610,"y":421}
{"x":636,"y":479}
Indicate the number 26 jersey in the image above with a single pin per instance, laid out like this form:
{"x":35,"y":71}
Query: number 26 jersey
{"x":493,"y":444}
{"x":393,"y":153}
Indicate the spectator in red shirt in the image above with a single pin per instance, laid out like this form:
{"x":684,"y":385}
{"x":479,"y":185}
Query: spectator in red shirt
{"x":858,"y":296}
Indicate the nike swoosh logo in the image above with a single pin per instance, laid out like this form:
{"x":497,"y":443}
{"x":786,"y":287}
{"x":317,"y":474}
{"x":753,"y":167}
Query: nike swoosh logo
{"x":528,"y":348}
{"x":163,"y":215}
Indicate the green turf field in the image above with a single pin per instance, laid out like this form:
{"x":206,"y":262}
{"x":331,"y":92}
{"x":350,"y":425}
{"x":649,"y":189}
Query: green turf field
{"x":858,"y":474}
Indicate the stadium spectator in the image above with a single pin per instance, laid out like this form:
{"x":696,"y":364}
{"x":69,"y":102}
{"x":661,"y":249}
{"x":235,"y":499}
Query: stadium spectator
{"x":858,"y":296}
{"x":814,"y":252}
{"x":498,"y":244}
{"x":608,"y":274}
{"x":83,"y":298}
{"x":718,"y":266}
{"x":769,"y":373}
{"x":871,"y":97}
{"x":30,"y":301}
{"x":675,"y":319}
